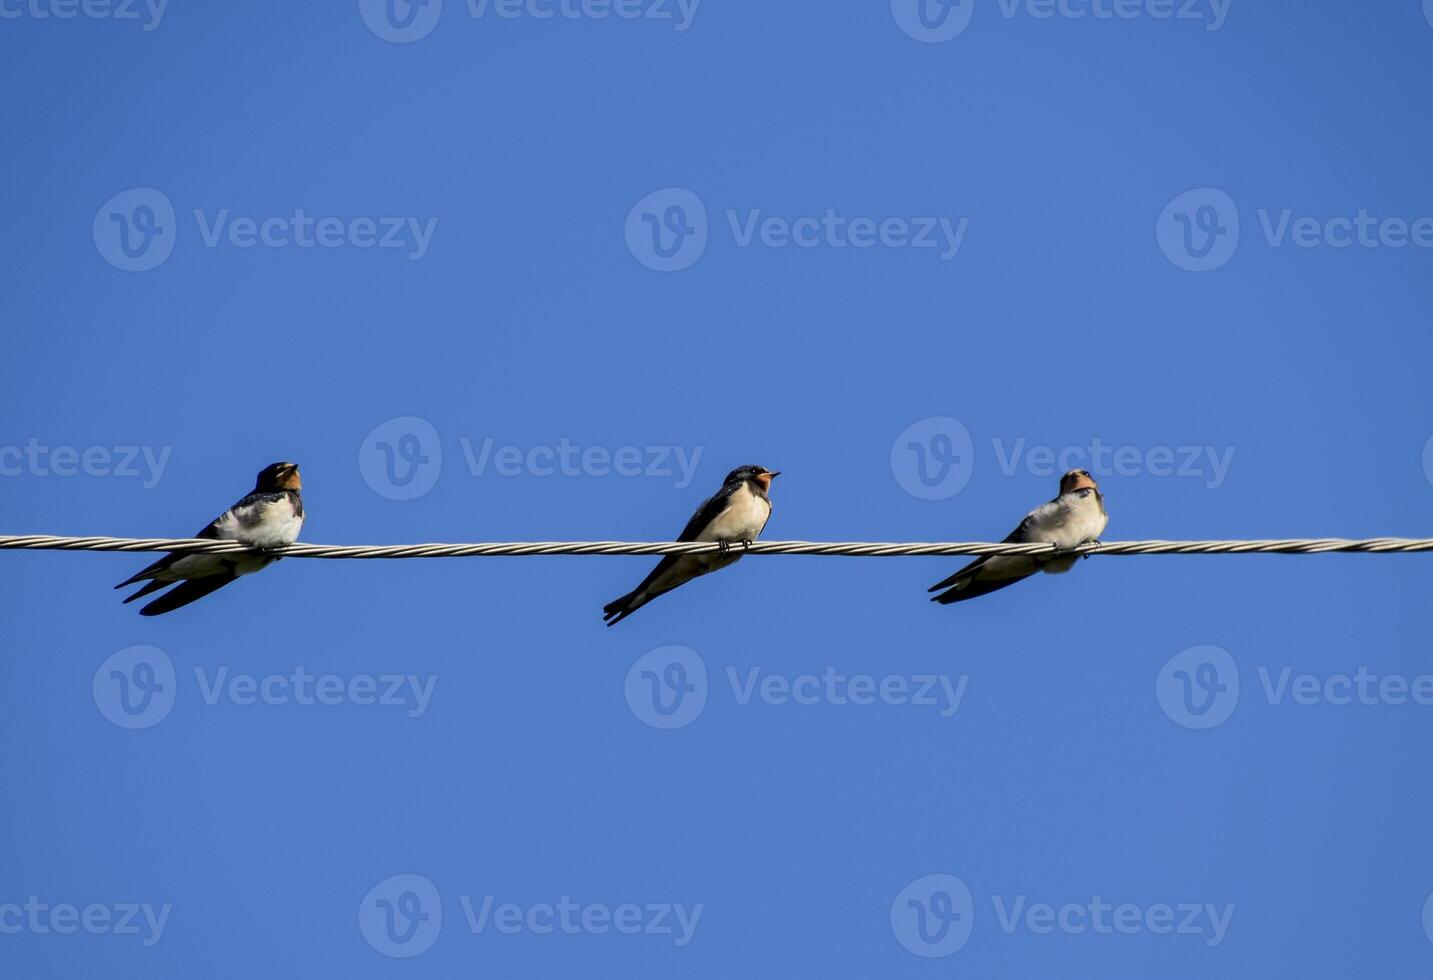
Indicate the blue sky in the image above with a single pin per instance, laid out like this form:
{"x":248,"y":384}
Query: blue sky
{"x":591,"y":263}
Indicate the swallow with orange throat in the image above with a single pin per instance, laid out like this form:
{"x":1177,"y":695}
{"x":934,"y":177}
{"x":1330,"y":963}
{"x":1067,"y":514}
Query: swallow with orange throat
{"x":734,"y":515}
{"x":1077,"y":516}
{"x":268,"y":517}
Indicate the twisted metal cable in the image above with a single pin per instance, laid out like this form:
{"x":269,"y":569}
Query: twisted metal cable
{"x":857,"y":549}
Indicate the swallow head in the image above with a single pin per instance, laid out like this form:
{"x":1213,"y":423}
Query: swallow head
{"x":758,"y":475}
{"x":1077,"y":480}
{"x":279,"y":476}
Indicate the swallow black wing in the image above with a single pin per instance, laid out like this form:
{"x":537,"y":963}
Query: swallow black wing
{"x":975,"y":589}
{"x":619,"y":609}
{"x":705,"y":514}
{"x":209,"y":532}
{"x":187,"y":592}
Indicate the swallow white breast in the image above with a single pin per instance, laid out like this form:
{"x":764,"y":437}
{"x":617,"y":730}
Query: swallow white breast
{"x":1067,"y":521}
{"x":263,"y":524}
{"x":742,"y":520}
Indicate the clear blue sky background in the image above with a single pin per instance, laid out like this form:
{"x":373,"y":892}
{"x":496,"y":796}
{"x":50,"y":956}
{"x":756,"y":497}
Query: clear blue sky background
{"x":1061,"y":321}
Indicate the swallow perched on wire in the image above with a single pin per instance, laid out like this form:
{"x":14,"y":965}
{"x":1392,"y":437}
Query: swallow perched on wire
{"x":270,"y":516}
{"x":735,"y":514}
{"x":1077,"y":516}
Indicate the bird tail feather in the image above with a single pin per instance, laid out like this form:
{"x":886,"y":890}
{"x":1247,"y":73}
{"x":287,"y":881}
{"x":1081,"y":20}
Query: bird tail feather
{"x":619,"y":609}
{"x":153,"y":585}
{"x":973,"y":588}
{"x":148,"y":571}
{"x":187,"y":592}
{"x":967,"y":570}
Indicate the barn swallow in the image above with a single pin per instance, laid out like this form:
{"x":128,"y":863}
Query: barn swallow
{"x":1075,"y":517}
{"x":735,"y":513}
{"x":270,"y":516}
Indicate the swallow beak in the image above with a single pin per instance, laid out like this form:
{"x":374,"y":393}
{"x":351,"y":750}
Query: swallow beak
{"x":765,"y":480}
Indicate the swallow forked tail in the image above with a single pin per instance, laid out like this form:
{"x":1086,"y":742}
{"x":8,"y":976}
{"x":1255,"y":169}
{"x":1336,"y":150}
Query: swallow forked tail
{"x":153,"y":585}
{"x":148,"y":573}
{"x":619,"y":609}
{"x":185,"y":592}
{"x":965,"y":585}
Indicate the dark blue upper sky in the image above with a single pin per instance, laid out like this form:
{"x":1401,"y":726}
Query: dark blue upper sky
{"x":919,"y":260}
